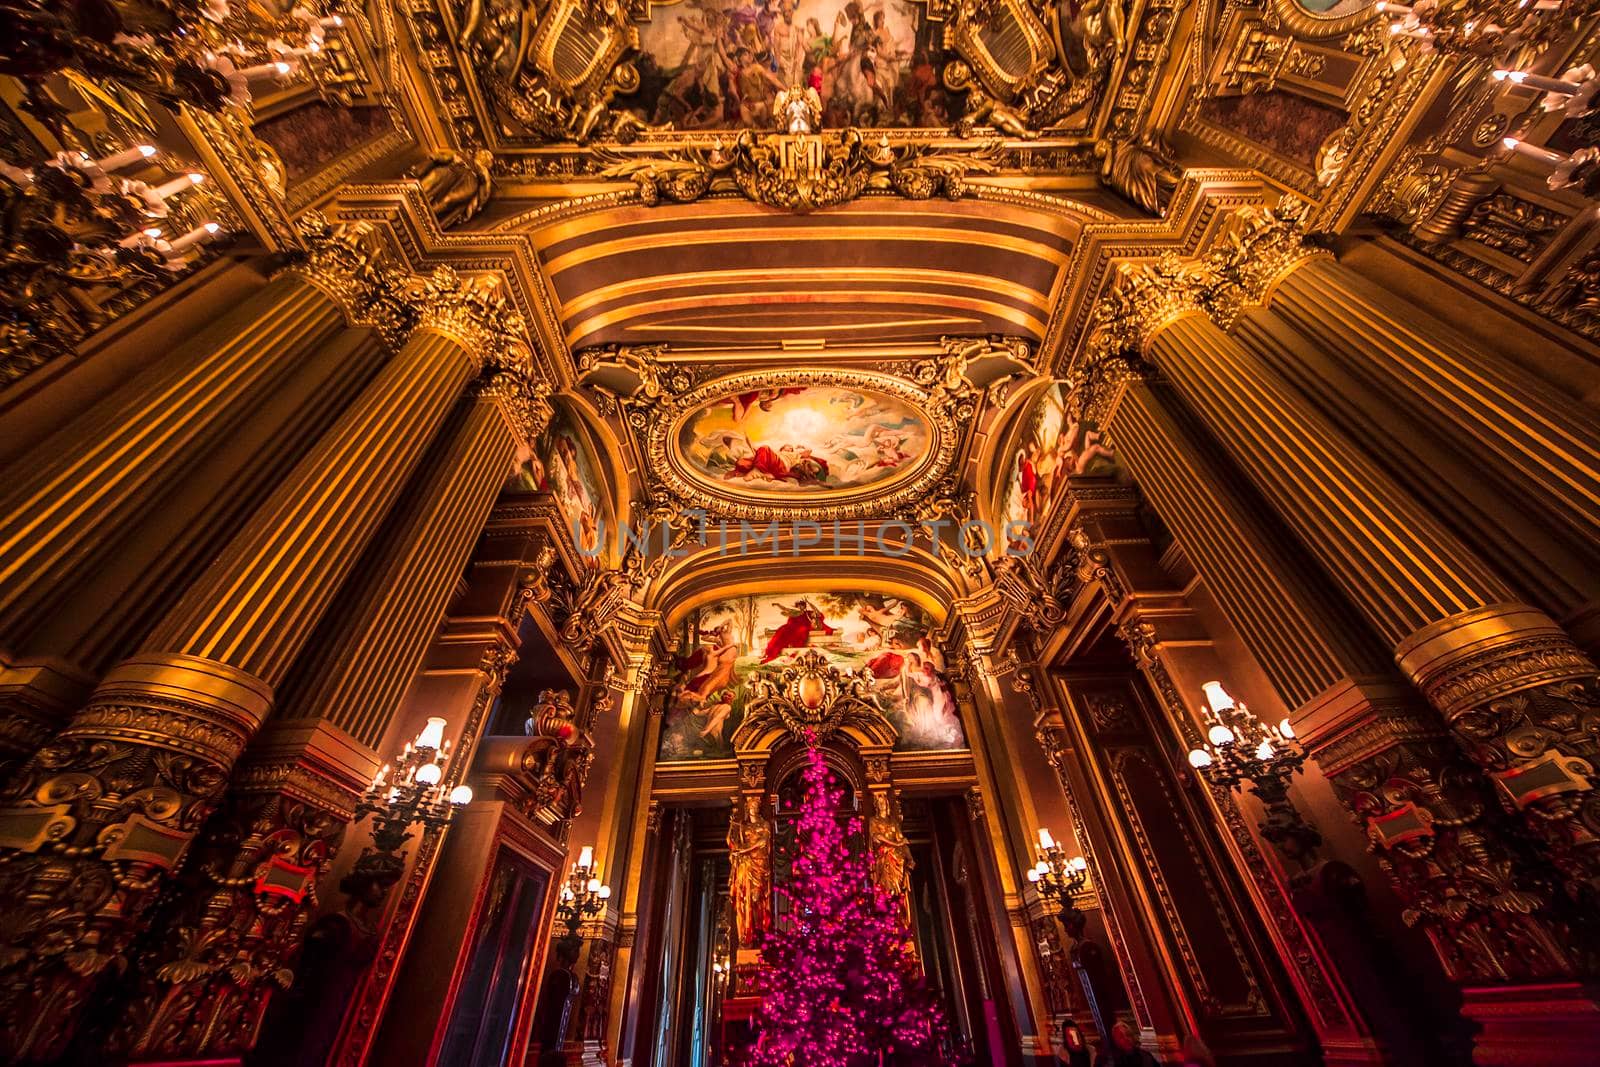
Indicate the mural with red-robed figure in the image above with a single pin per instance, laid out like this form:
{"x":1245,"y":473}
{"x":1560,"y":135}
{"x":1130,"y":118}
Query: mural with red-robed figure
{"x":1056,"y":442}
{"x":722,"y":645}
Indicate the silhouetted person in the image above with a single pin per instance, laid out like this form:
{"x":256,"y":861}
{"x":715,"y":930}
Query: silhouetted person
{"x":1073,"y":1051}
{"x":1125,"y":1050}
{"x":554,"y":1009}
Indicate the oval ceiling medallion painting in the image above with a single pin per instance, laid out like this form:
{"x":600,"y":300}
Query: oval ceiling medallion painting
{"x":802,"y":439}
{"x":819,"y":444}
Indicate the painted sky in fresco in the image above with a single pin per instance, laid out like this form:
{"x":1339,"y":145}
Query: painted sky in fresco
{"x":803,"y":439}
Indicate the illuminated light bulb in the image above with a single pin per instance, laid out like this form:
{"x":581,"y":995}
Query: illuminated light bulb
{"x":432,"y":735}
{"x":593,"y":886}
{"x":605,"y":892}
{"x":1265,"y":751}
{"x":1046,"y":842}
{"x":178,"y":185}
{"x":1217,"y":697}
{"x":461,"y":795}
{"x":1543,"y":155}
{"x":1198,"y":758}
{"x":1286,"y":728}
{"x":429,"y":774}
{"x":1220,"y":735}
{"x":1079,"y":863}
{"x":193,"y":237}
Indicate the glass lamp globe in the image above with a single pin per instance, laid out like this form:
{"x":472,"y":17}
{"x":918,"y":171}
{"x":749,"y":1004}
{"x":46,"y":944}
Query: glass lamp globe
{"x":429,"y":774}
{"x":1220,"y":735}
{"x":461,"y":795}
{"x":1079,"y":863}
{"x":1265,"y":751}
{"x":1286,"y":728}
{"x":1199,"y":757}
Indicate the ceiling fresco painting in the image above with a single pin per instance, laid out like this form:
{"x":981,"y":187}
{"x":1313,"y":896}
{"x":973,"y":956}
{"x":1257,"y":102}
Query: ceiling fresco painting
{"x":1056,"y":443}
{"x":719,"y":64}
{"x":723,"y":645}
{"x":799,"y":439}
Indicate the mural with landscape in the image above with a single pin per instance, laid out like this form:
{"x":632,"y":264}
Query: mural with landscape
{"x":721,"y":646}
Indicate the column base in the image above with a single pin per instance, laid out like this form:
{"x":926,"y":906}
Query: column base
{"x":129,"y":782}
{"x":1554,"y":1025}
{"x":245,"y":895}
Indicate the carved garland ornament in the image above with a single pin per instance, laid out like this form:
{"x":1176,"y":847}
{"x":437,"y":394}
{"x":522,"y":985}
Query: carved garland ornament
{"x":661,"y":427}
{"x":803,"y":172}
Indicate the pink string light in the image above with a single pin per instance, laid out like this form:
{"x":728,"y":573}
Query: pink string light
{"x":841,"y":985}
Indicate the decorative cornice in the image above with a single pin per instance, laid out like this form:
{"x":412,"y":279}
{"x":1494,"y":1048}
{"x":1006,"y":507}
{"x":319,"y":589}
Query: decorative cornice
{"x":803,"y":172}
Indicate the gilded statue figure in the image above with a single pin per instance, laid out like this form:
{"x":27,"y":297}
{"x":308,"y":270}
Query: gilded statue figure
{"x":891,"y":853}
{"x":455,"y":186}
{"x":750,"y":880}
{"x":1143,"y":173}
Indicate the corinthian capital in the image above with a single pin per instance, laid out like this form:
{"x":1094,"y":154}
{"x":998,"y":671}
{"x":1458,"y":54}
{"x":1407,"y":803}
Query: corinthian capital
{"x":524,"y":397}
{"x":472,"y":311}
{"x":352,"y":265}
{"x":1159,"y":293}
{"x":1112,"y":354}
{"x":1267,"y":244}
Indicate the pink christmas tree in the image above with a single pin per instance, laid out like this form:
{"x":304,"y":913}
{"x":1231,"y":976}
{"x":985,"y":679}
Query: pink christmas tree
{"x":841,"y":984}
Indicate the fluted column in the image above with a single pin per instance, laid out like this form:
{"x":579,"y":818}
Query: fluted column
{"x":103,"y":814}
{"x":64,"y":503}
{"x":1508,"y":461}
{"x":1518,"y":694}
{"x":1389,"y":759}
{"x":1474,"y":398}
{"x":291,"y":801}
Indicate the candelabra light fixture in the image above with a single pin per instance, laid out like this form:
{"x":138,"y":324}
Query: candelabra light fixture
{"x":1239,"y":748}
{"x":1061,"y":879}
{"x":1514,"y":35}
{"x":584,"y":896}
{"x":412,"y":793}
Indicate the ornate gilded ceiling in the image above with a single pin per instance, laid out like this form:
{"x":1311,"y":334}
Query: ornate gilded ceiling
{"x":534,"y":72}
{"x":729,"y":273}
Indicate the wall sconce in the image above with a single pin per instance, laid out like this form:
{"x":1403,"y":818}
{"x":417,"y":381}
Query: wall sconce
{"x":1240,"y":748}
{"x":413,"y":793}
{"x":583,"y":897}
{"x":1060,"y":879}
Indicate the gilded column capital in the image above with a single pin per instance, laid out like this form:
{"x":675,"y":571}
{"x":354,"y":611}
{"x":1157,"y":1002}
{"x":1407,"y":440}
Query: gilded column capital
{"x":1266,"y":246}
{"x":1173,"y":287}
{"x":1112,"y":356}
{"x":349,"y":263}
{"x":472,"y":311}
{"x":523,"y":398}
